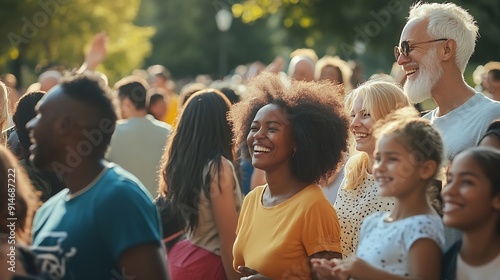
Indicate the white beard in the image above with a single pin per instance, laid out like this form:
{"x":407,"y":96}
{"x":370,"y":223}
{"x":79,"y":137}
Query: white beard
{"x":429,"y":73}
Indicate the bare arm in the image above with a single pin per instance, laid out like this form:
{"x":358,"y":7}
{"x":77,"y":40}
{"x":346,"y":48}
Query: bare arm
{"x":144,"y":262}
{"x":96,"y":54}
{"x":425,"y":264}
{"x":225,"y":215}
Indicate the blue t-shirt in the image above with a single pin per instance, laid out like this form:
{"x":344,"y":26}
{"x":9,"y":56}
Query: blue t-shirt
{"x":82,"y":236}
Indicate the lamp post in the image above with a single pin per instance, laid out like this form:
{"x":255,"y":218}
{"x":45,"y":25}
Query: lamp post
{"x":223,"y":18}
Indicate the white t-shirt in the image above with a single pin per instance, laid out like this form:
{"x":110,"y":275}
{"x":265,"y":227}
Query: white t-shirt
{"x":353,"y":206}
{"x":464,"y":126}
{"x":385,"y":245}
{"x":490,"y":271}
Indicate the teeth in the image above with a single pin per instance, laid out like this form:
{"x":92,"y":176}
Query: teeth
{"x":409,"y":72}
{"x":448,"y":206}
{"x":383,"y":180}
{"x":261,"y":149}
{"x":361,"y":134}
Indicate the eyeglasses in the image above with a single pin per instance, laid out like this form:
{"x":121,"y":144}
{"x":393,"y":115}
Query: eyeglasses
{"x":405,"y":47}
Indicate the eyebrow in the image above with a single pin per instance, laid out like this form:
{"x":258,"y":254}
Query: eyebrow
{"x":465,"y":173}
{"x":269,"y":122}
{"x":388,"y":153}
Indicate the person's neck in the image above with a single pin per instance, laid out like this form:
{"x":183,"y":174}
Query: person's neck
{"x":281,"y":187}
{"x":450,"y":94}
{"x":481,"y":245}
{"x":371,"y":160}
{"x":137,"y":113}
{"x":83,"y":174}
{"x":495,"y":96}
{"x":412,"y":204}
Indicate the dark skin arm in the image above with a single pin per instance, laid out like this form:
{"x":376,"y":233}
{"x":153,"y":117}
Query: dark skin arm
{"x":144,"y":262}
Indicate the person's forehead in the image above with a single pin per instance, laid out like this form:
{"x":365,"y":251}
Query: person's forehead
{"x":415,"y":30}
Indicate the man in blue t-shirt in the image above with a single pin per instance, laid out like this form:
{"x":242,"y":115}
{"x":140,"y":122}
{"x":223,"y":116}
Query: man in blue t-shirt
{"x":104,"y":225}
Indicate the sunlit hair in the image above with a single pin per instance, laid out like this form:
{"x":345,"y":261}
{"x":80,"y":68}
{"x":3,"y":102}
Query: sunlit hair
{"x":447,"y":20}
{"x":202,"y":136}
{"x":379,"y":99}
{"x":319,"y":125}
{"x":341,"y":66}
{"x":310,"y":53}
{"x":27,"y":200}
{"x":414,"y":133}
{"x":4,"y":105}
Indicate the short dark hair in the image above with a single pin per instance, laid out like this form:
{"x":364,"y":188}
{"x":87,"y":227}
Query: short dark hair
{"x":133,"y":88}
{"x":91,"y":91}
{"x":320,"y":126}
{"x":493,"y":129}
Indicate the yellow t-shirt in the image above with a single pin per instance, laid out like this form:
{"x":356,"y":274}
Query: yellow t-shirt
{"x":171,"y":114}
{"x":277,"y":241}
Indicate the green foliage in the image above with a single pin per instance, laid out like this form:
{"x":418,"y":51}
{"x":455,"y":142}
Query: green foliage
{"x":187,"y":41}
{"x":50,"y":32}
{"x":332,"y":27}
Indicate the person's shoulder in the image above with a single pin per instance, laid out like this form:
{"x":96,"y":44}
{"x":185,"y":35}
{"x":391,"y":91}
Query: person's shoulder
{"x":54,"y":200}
{"x":161,"y":125}
{"x":255,"y":193}
{"x":118,"y":181}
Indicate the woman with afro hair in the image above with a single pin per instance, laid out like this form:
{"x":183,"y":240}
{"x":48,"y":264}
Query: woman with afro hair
{"x":296,"y":132}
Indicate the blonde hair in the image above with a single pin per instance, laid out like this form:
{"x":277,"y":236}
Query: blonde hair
{"x":380,"y":98}
{"x":27,"y":199}
{"x":337,"y":62}
{"x":4,"y":112}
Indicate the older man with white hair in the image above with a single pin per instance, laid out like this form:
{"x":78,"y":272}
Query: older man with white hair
{"x":435,"y":47}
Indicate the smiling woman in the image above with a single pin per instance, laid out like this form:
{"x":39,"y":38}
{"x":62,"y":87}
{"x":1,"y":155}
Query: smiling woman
{"x":358,"y":196}
{"x":296,"y":132}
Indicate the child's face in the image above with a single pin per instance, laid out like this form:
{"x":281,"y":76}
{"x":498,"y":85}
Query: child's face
{"x":467,"y":197}
{"x":361,"y":126}
{"x":396,"y":170}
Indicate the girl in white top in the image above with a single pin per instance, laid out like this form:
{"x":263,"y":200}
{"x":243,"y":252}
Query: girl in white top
{"x":405,"y":243}
{"x":472,"y":204}
{"x":357,"y":196}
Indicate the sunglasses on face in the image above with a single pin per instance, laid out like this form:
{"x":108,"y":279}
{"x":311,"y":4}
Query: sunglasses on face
{"x":405,"y":47}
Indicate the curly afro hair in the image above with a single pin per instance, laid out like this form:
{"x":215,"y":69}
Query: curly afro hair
{"x":320,"y":126}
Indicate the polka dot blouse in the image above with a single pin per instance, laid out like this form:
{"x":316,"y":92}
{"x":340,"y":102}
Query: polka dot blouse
{"x":385,"y":245}
{"x":352,"y":206}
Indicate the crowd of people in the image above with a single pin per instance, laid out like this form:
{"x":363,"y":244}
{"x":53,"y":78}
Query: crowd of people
{"x":309,"y":174}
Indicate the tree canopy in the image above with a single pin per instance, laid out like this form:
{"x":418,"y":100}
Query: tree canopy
{"x":56,"y":32}
{"x":334,"y":27}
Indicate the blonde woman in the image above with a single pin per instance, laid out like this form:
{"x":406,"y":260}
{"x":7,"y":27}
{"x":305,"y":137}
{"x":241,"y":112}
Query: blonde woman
{"x":358,"y":195}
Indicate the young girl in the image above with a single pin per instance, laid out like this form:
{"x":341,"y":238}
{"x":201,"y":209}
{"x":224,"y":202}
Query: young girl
{"x":357,"y":196}
{"x":406,"y":242}
{"x":198,"y":177}
{"x":472,"y":204}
